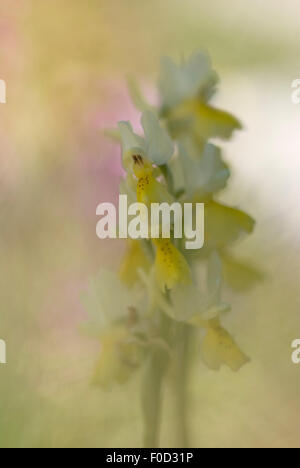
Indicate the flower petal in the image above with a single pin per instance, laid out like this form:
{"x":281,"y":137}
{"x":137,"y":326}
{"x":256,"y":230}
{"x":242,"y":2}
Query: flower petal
{"x":170,"y":265}
{"x":131,"y":144}
{"x":188,"y":79}
{"x":159,"y":146}
{"x":207,"y":175}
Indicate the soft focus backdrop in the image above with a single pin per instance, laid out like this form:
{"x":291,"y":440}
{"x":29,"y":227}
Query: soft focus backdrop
{"x":65,"y":63}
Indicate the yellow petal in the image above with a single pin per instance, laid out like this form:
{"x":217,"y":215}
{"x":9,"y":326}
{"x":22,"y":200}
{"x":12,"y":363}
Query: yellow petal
{"x":224,"y":225}
{"x":205,"y":121}
{"x":149,"y":190}
{"x":219,"y":348}
{"x":109,"y":367}
{"x":171,"y":268}
{"x":240,"y":275}
{"x":211,"y":122}
{"x":135,"y":258}
{"x":141,"y":166}
{"x":118,"y":358}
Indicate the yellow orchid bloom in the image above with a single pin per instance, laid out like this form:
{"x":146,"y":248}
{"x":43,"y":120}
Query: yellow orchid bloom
{"x":149,"y":190}
{"x":218,"y":347}
{"x":118,"y":358}
{"x":210,"y":121}
{"x":203,"y":121}
{"x":171,"y":268}
{"x":134,"y":259}
{"x":223,"y":224}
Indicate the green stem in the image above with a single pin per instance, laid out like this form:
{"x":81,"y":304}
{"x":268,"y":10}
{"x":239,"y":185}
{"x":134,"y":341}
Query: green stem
{"x":181,"y":381}
{"x":155,"y":371}
{"x":152,"y":397}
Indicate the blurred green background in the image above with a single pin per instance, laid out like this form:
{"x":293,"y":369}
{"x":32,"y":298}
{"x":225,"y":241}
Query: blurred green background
{"x":65,"y":63}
